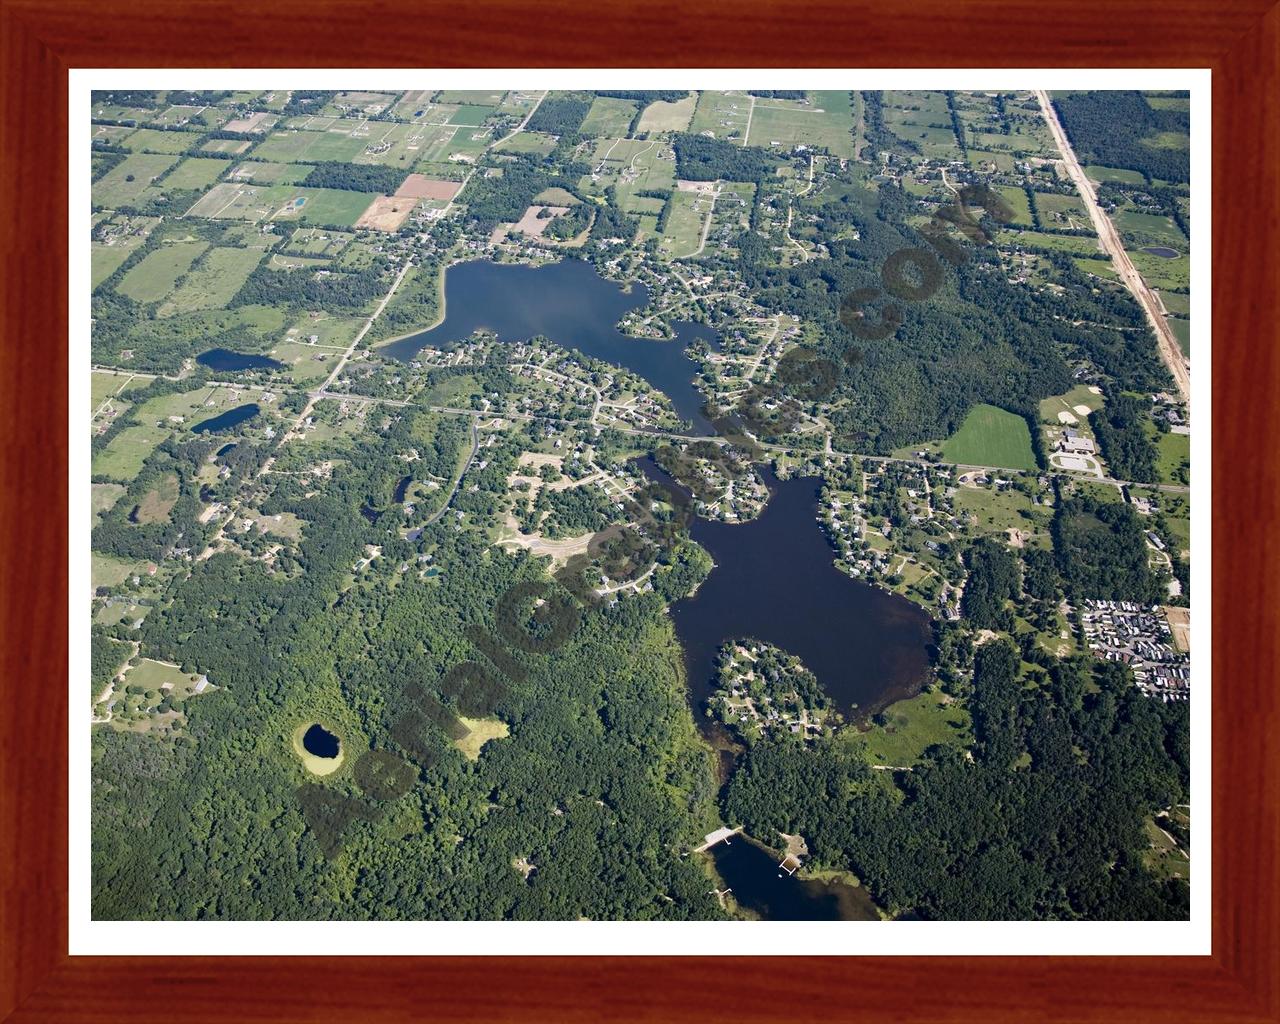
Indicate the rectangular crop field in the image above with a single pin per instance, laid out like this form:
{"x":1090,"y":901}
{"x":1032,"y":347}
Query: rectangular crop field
{"x":661,"y":116}
{"x":130,"y":178}
{"x":212,"y":283}
{"x":609,"y":117}
{"x":152,"y":279}
{"x":324,"y":206}
{"x":723,"y":114}
{"x":241,"y":201}
{"x":153,"y":140}
{"x":195,"y":173}
{"x":825,"y":122}
{"x":991,"y":437}
{"x":260,"y":173}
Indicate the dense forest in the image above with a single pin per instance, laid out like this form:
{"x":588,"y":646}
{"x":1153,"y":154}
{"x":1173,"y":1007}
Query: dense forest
{"x":1119,"y":427}
{"x":1102,"y":553}
{"x":1044,"y":823}
{"x":1115,"y":128}
{"x":699,"y":158}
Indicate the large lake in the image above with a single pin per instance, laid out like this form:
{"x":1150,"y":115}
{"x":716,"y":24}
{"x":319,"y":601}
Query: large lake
{"x":574,"y":307}
{"x":774,"y":579}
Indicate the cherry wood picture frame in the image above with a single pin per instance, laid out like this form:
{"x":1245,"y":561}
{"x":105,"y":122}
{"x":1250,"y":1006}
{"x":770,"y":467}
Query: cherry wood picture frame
{"x":41,"y":39}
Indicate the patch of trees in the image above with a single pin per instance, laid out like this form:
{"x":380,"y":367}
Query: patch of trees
{"x":1109,"y":127}
{"x":204,"y":98}
{"x":356,"y":177}
{"x":1102,"y":552}
{"x":1119,"y":427}
{"x":560,"y":114}
{"x":777,"y":94}
{"x":268,"y":287}
{"x":493,"y":201}
{"x":612,"y":221}
{"x":303,"y":101}
{"x":699,"y":158}
{"x":993,"y":582}
{"x":646,"y":96}
{"x":126,"y":98}
{"x":571,"y":223}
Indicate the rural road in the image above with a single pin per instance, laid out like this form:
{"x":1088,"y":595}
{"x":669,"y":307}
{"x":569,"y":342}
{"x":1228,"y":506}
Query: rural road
{"x":1170,"y":351}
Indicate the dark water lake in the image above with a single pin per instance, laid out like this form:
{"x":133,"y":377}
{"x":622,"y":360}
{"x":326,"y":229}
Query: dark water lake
{"x":758,"y":884}
{"x":573,"y":306}
{"x":230,"y":418}
{"x":1162,"y":251}
{"x":774,"y":580}
{"x":320,"y":741}
{"x":401,"y":488}
{"x":226,"y":360}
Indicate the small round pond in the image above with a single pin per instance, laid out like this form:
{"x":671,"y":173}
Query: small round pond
{"x":319,"y":749}
{"x":1163,"y":251}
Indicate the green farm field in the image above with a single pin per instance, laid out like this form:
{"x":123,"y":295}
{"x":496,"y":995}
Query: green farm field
{"x":153,"y":278}
{"x":991,"y":437}
{"x":213,"y":281}
{"x":608,"y":117}
{"x":661,"y":116}
{"x":129,"y":179}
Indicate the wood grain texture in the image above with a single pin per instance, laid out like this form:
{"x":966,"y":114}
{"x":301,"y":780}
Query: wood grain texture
{"x":39,"y":41}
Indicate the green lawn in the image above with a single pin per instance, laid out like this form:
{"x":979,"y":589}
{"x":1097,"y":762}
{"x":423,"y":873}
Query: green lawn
{"x":991,"y":437}
{"x":1120,"y":174}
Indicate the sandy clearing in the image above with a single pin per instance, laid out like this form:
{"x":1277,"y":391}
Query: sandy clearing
{"x":1066,"y":417}
{"x":1083,"y":410}
{"x":387,"y":213}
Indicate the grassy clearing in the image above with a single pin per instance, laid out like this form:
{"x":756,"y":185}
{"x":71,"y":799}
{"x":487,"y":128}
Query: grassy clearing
{"x":1181,"y":328}
{"x":609,"y":117}
{"x":901,"y":734}
{"x":479,"y":732}
{"x":271,"y":174}
{"x":996,"y":512}
{"x":1073,"y":245}
{"x":1173,"y":458}
{"x":130,"y":178}
{"x":103,"y":496}
{"x":661,"y":116}
{"x":153,"y":278}
{"x":528,"y":142}
{"x":826,"y":122}
{"x":318,"y":765}
{"x":109,"y":571}
{"x":1017,"y":200}
{"x":1121,"y":174}
{"x":683,"y":234}
{"x":723,"y":114}
{"x":152,"y":140}
{"x":324,"y":206}
{"x":195,"y":173}
{"x":1162,"y":273}
{"x":991,"y":437}
{"x":1062,"y":211}
{"x":158,"y":502}
{"x":214,"y":281}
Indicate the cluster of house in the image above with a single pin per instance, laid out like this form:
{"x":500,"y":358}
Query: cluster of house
{"x":1140,"y":637}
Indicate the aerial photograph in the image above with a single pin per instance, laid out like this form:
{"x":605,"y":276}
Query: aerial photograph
{"x":640,"y":505}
